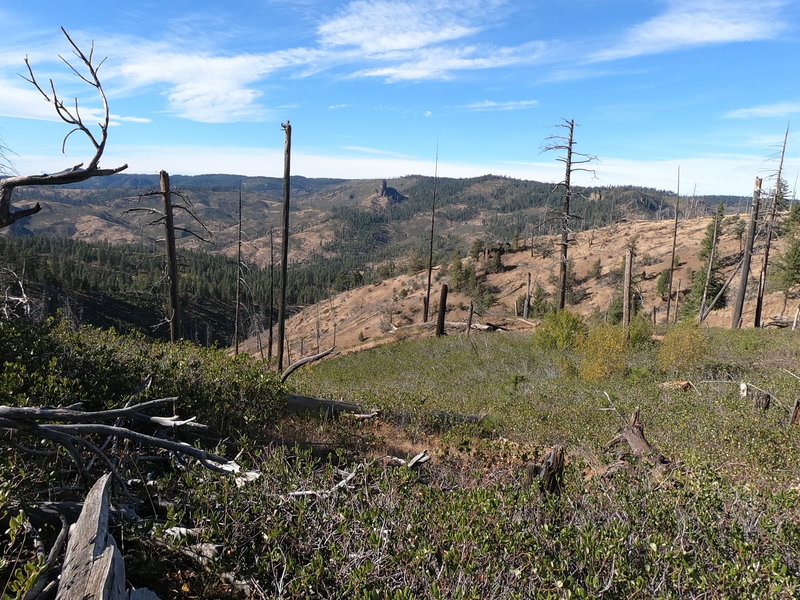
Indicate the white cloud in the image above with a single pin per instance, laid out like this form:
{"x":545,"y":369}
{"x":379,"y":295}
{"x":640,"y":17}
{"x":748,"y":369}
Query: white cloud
{"x":205,"y":88}
{"x":24,"y":103}
{"x":492,"y":105}
{"x":376,"y":151}
{"x":408,"y":40}
{"x":441,"y":62}
{"x":778,"y":109}
{"x":27,"y":103}
{"x":377,"y":26}
{"x":688,"y":23}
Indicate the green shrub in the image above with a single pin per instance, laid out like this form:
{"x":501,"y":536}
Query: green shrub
{"x":684,"y":347}
{"x":603,"y":353}
{"x":640,"y":332}
{"x":561,"y":330}
{"x":48,"y":364}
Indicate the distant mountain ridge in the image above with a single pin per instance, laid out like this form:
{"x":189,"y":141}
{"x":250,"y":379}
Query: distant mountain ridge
{"x":360,"y":222}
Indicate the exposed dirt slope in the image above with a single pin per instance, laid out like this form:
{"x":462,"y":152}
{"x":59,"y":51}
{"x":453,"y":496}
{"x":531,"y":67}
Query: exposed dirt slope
{"x":383,"y":312}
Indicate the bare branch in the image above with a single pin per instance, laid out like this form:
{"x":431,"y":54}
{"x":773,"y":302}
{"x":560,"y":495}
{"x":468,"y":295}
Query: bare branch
{"x":71,"y":117}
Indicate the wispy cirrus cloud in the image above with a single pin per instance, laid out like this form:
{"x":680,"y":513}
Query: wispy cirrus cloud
{"x":411,"y":40}
{"x":688,"y":23}
{"x":443,"y":62}
{"x":27,"y":103}
{"x":385,"y":26}
{"x":492,"y":105}
{"x":376,"y":151}
{"x":778,"y":109}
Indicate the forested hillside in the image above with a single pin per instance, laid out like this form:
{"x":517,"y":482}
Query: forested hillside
{"x":93,"y":251}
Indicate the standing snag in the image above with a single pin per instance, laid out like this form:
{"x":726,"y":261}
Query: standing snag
{"x":87,"y":71}
{"x":570,"y":161}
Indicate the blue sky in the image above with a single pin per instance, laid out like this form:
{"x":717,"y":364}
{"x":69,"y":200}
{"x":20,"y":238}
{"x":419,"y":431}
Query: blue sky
{"x":373,"y":86}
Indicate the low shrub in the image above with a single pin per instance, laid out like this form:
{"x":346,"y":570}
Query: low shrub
{"x":561,"y":330}
{"x":603,"y":353}
{"x":683,"y":348}
{"x":48,"y":364}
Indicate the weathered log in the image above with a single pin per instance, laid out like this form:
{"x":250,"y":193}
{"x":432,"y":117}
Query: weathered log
{"x":93,"y":565}
{"x":304,"y":361}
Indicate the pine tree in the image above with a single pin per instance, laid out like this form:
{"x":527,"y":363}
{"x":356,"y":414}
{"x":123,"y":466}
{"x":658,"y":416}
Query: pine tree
{"x":711,"y":273}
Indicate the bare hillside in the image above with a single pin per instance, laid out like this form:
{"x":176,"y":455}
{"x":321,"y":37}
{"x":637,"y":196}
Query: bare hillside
{"x":388,"y":311}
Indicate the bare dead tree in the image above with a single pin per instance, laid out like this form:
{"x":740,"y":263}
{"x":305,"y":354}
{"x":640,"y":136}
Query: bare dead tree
{"x":270,"y":323}
{"x":287,"y":128}
{"x":238,"y":278}
{"x":165,"y":217}
{"x":674,"y":246}
{"x":777,"y":197}
{"x":709,"y":270}
{"x":626,"y":289}
{"x":747,"y":256}
{"x":87,"y":71}
{"x":570,"y":161}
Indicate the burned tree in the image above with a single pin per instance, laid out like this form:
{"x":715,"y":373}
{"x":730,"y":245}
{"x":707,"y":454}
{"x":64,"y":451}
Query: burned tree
{"x":747,"y":256}
{"x":570,"y":161}
{"x":165,"y":217}
{"x":87,"y":71}
{"x":287,"y":128}
{"x":778,"y":198}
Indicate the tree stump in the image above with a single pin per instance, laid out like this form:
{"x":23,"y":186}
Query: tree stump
{"x":550,"y":473}
{"x":795,"y":416}
{"x":633,"y":434}
{"x":761,"y":400}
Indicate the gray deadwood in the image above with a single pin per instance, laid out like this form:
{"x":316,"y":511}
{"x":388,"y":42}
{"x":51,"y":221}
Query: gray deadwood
{"x":633,"y":434}
{"x":93,"y":565}
{"x":87,"y":71}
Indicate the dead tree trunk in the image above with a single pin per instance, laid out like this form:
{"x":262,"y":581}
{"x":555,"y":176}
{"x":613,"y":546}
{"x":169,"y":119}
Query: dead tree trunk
{"x":572,"y":159}
{"x":709,"y":270}
{"x":427,"y":302}
{"x":284,"y":244}
{"x":747,"y":257}
{"x":563,"y":264}
{"x":270,"y":322}
{"x":238,"y":279}
{"x":633,"y":434}
{"x":626,"y":290}
{"x":172,"y":261}
{"x":526,"y":311}
{"x":776,"y":199}
{"x":442,"y":311}
{"x":674,"y":245}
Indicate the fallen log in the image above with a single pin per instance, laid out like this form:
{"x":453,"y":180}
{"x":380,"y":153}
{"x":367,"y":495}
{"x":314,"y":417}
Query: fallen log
{"x":304,"y":361}
{"x":93,"y":565}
